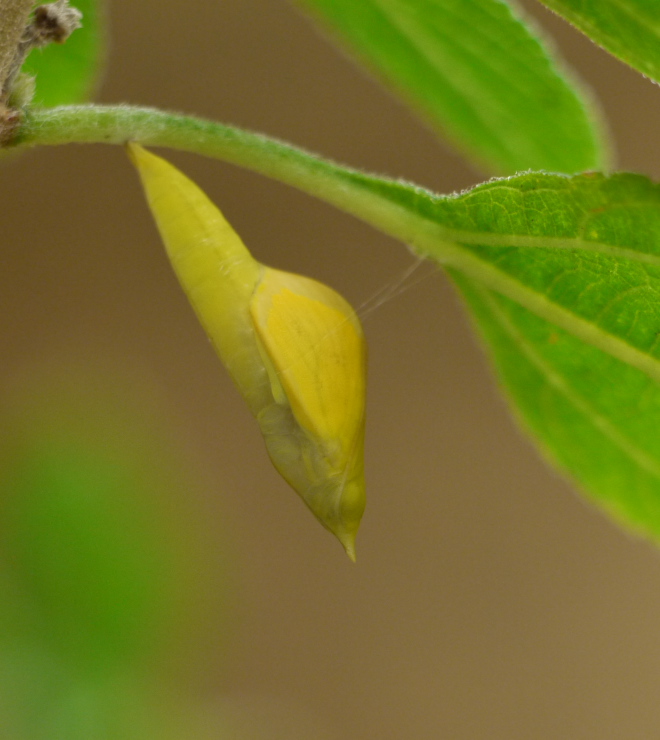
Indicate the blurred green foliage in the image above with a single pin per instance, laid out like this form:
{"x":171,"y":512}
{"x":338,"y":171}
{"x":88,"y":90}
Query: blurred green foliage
{"x":100,"y":567}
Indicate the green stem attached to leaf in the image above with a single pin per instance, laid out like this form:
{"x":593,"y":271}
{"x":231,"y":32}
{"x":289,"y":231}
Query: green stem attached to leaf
{"x":406,"y":212}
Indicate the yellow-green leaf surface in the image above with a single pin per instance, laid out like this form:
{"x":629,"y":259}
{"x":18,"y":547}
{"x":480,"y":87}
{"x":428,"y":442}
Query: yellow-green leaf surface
{"x":629,"y":29}
{"x":69,"y":72}
{"x":478,"y":75}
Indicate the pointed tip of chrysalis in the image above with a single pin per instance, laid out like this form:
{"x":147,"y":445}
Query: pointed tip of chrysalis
{"x":348,"y":543}
{"x":345,"y":527}
{"x":347,"y":540}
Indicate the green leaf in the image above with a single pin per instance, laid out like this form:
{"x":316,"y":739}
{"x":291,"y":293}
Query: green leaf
{"x":629,"y":29}
{"x":68,"y":73}
{"x":80,"y":549}
{"x":477,"y":74}
{"x":594,"y":416}
{"x":571,"y":314}
{"x":83,"y":483}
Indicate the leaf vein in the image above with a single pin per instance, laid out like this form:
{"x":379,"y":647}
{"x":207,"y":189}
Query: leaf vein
{"x":558,"y":381}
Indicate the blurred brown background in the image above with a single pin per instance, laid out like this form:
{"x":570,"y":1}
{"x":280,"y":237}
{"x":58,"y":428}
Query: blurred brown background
{"x":488,"y":601}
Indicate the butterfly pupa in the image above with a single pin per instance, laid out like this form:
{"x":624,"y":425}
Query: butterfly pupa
{"x":293,"y":346}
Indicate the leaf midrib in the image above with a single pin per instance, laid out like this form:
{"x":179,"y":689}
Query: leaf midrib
{"x":546,"y":242}
{"x":538,"y":303}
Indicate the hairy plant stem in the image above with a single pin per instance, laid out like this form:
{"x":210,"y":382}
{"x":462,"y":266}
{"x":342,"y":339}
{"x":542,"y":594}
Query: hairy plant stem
{"x":371,"y":199}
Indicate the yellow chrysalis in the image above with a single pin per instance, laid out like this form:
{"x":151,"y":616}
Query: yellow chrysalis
{"x":293,"y":346}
